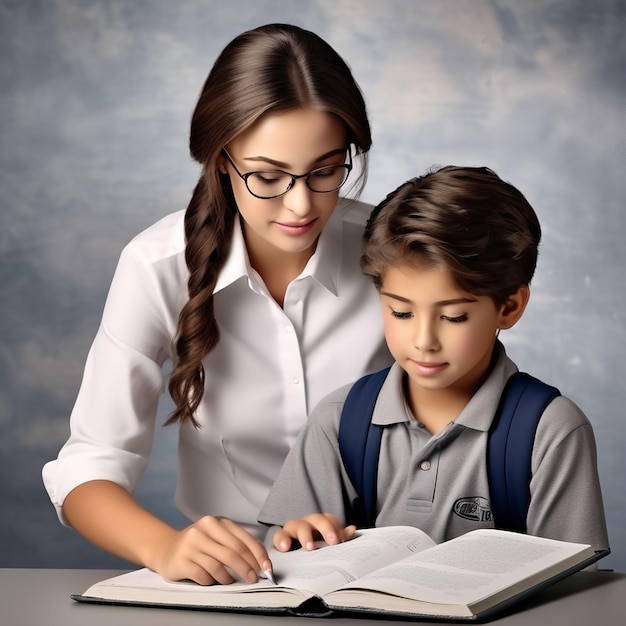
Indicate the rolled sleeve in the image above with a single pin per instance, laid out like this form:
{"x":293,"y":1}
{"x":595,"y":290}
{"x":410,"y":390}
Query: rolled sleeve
{"x":113,"y":420}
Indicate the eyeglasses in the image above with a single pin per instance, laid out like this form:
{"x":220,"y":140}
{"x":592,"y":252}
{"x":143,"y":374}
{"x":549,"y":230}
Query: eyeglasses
{"x":268,"y":184}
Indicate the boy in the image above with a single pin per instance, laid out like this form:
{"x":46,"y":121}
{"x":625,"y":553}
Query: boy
{"x":452,"y":254}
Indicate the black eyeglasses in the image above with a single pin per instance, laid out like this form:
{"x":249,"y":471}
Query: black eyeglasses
{"x":268,"y":184}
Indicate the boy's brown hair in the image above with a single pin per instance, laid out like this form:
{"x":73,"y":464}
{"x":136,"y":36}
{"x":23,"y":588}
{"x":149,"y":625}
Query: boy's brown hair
{"x":464,"y":218}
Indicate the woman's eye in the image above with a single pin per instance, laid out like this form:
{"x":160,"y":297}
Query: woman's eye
{"x":402,"y":315}
{"x":267,"y":178}
{"x":325,"y":172}
{"x":455,"y":320}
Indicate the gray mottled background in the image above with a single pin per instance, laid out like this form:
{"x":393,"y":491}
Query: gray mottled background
{"x":95,"y":101}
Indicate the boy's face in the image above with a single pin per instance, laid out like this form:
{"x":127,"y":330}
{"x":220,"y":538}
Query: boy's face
{"x":440,"y":335}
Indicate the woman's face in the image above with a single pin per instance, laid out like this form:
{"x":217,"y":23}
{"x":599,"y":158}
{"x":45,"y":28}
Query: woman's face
{"x":295,"y":141}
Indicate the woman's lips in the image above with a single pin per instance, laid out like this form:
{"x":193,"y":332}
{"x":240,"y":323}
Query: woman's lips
{"x":296,"y":228}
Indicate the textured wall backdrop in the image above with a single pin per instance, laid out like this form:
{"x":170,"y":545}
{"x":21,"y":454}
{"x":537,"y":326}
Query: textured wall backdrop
{"x":95,"y":101}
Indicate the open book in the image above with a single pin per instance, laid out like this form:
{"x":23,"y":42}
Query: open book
{"x":395,"y":570}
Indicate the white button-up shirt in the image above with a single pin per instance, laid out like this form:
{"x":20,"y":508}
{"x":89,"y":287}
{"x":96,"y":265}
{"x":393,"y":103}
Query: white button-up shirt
{"x":270,"y":368}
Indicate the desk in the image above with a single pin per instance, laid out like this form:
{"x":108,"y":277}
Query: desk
{"x":41,"y":597}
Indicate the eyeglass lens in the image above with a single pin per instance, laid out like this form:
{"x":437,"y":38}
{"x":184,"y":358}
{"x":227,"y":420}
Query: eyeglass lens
{"x":322,"y":180}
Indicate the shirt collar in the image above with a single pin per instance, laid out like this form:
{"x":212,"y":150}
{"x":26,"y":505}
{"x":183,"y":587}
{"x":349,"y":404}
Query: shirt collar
{"x":391,"y":406}
{"x":237,"y":265}
{"x":323,"y":266}
{"x":481,"y":409}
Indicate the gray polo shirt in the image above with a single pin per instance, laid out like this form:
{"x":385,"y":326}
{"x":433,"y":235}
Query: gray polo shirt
{"x":439,"y":482}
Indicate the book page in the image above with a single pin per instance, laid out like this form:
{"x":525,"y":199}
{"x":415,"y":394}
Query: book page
{"x":470,"y":567}
{"x":329,"y":567}
{"x":314,"y":573}
{"x":125,"y":585}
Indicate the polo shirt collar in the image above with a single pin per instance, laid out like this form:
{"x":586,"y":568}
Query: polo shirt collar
{"x":481,"y":409}
{"x":323,"y":266}
{"x":391,"y":406}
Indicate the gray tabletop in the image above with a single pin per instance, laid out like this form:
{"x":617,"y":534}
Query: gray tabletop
{"x":41,"y":597}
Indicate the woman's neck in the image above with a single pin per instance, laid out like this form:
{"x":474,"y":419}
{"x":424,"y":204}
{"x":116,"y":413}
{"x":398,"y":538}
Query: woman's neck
{"x":276,"y":267}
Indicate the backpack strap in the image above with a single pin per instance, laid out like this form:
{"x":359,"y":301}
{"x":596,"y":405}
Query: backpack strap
{"x":510,"y":445}
{"x":359,"y":444}
{"x":509,"y":448}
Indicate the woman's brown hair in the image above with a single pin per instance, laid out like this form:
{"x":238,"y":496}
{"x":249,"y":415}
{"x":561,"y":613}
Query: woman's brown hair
{"x":275,"y":67}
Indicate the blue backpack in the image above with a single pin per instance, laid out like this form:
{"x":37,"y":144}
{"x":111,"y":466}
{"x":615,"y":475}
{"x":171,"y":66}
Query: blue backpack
{"x":509,"y":447}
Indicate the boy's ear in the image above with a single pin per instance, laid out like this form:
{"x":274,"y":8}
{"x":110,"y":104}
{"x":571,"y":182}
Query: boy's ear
{"x":513,"y":308}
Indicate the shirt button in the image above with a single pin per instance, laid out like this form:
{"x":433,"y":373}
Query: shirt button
{"x":288,"y":328}
{"x":425,"y":465}
{"x":295,"y":381}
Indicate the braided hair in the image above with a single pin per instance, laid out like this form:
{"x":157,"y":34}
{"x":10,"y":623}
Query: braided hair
{"x":277,"y":67}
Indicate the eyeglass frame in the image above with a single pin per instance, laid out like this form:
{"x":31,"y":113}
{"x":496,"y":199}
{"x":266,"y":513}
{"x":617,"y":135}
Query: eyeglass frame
{"x":294,"y":177}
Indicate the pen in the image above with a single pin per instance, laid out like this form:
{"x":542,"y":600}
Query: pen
{"x":269,"y":574}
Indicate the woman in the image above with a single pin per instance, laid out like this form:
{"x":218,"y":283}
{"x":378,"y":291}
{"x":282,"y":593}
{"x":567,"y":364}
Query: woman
{"x":255,"y":296}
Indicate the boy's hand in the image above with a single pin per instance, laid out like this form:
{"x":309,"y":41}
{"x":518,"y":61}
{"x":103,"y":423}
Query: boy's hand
{"x":307,"y":529}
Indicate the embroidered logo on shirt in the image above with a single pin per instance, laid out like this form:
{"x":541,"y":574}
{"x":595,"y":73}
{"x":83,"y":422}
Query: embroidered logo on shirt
{"x":475,"y":509}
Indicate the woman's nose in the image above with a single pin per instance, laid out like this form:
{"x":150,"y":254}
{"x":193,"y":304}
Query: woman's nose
{"x":299,"y":198}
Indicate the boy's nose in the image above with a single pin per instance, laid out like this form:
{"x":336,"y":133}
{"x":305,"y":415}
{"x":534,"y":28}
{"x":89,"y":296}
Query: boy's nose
{"x":425,"y":338}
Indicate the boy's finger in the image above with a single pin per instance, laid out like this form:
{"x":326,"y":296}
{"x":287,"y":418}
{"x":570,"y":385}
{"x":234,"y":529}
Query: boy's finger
{"x":282,"y":541}
{"x":305,"y":536}
{"x":349,"y":532}
{"x":328,"y":526}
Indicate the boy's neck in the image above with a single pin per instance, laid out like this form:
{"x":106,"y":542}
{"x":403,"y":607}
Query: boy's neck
{"x":436,"y":408}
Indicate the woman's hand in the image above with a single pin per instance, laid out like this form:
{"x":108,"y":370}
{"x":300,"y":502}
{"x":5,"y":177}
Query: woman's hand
{"x":307,"y":529}
{"x":211,"y":550}
{"x":205,"y":552}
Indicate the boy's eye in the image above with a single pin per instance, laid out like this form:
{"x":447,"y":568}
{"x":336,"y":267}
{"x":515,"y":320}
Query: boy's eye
{"x":402,"y":315}
{"x":455,"y":320}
